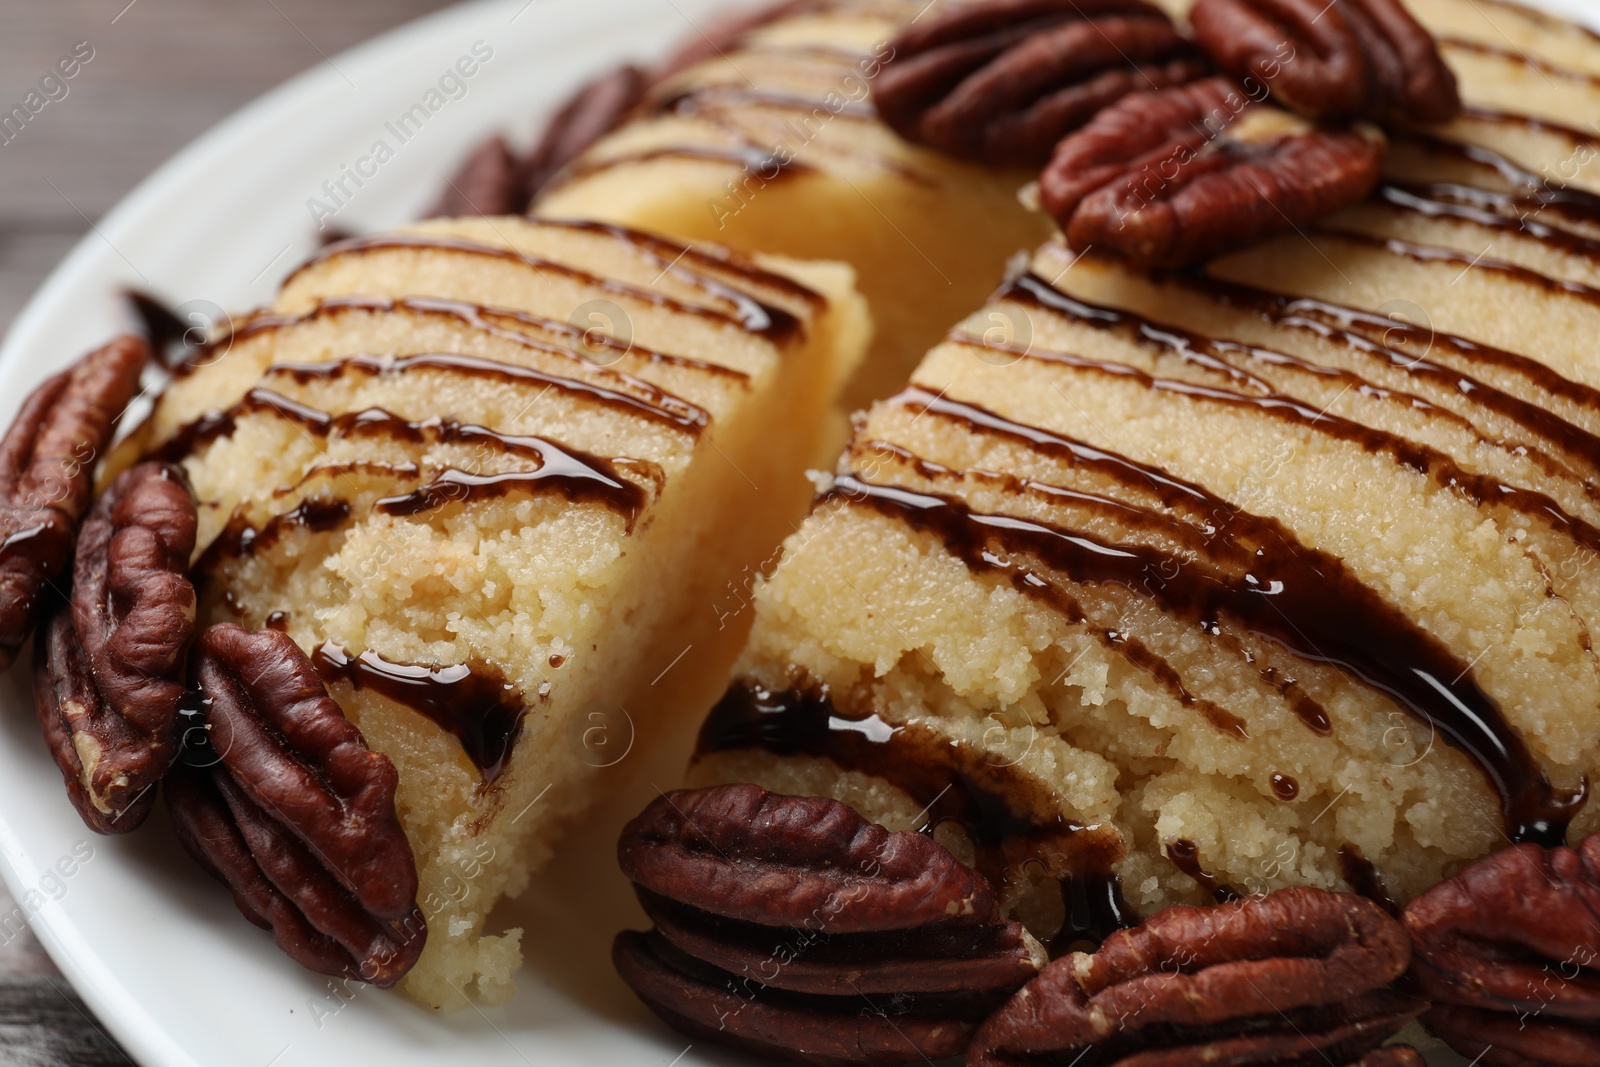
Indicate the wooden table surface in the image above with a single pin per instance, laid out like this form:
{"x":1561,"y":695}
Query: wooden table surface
{"x":162,"y":72}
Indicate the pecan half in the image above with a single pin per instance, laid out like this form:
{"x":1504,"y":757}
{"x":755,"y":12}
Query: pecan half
{"x":491,"y":181}
{"x":1331,"y":60}
{"x":1509,"y":950}
{"x":108,"y":674}
{"x":593,"y":111}
{"x":1002,"y":82}
{"x":298,"y":817}
{"x":948,"y":958}
{"x":824,"y":1031}
{"x":778,"y":860}
{"x":1167,"y":179}
{"x":1295,"y":977}
{"x":793,"y":927}
{"x":47,"y":461}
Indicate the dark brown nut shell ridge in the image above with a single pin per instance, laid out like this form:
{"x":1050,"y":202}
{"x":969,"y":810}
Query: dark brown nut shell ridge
{"x":1331,"y":59}
{"x":294,"y":754}
{"x":1509,"y":950}
{"x":793,"y":927}
{"x":822,"y":1031}
{"x":757,"y":857}
{"x":206,"y":828}
{"x":946,"y":959}
{"x":108,"y":674}
{"x":298,"y":816}
{"x":1002,"y":82}
{"x":1288,"y":978}
{"x":47,"y":461}
{"x":1155,"y":180}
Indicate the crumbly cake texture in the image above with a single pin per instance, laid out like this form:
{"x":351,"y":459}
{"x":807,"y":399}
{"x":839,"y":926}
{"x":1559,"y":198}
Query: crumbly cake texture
{"x":773,"y":146}
{"x":587,"y":432}
{"x":1448,"y":467}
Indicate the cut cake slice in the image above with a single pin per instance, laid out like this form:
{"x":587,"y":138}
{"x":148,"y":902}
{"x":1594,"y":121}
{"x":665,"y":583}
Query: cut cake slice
{"x":491,"y":474}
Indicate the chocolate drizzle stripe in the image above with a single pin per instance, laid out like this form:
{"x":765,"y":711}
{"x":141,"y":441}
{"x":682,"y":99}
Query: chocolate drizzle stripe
{"x":1185,"y":855}
{"x":656,"y":405}
{"x":1010,"y":817}
{"x":479,"y":317}
{"x":1417,"y":200}
{"x":472,"y":702}
{"x":1435,"y":254}
{"x":1430,"y":462}
{"x":1219,"y":356}
{"x":201,"y":431}
{"x":1529,"y":123}
{"x":576,"y":475}
{"x":682,"y":260}
{"x":749,"y":157}
{"x":1305,"y":600}
{"x":1146,"y":520}
{"x":706,"y":97}
{"x":1576,"y":203}
{"x":1225,"y":532}
{"x":1520,"y":58}
{"x":1287,"y":308}
{"x":747,"y":313}
{"x":573,"y":478}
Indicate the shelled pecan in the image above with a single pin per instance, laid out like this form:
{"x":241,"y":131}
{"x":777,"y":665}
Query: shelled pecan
{"x":1002,"y":82}
{"x":298,"y":815}
{"x":793,"y":927}
{"x":1509,"y":951}
{"x":1299,"y":976}
{"x":490,"y":181}
{"x":47,"y":461}
{"x":108,"y":676}
{"x":1331,"y":60}
{"x":1169,"y":179}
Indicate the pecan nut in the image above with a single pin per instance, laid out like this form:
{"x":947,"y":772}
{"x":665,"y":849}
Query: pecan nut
{"x":1168,"y":180}
{"x":1509,"y":951}
{"x":47,"y":461}
{"x":793,"y":927}
{"x":1002,"y":82}
{"x":1264,"y":980}
{"x":490,"y":181}
{"x":778,"y":860}
{"x":593,"y":111}
{"x":1339,"y":60}
{"x":298,"y":816}
{"x":108,"y":676}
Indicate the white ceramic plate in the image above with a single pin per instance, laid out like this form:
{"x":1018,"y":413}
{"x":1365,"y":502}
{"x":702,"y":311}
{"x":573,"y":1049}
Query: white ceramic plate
{"x":155,"y":948}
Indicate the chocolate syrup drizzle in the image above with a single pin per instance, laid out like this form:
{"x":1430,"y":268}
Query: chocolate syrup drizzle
{"x":1010,"y":818}
{"x":657,"y":405}
{"x":1533,"y":189}
{"x":165,"y":333}
{"x":1435,"y":254}
{"x":1297,"y":310}
{"x":1364,"y":877}
{"x":1493,"y":210}
{"x":472,"y":702}
{"x":201,"y":431}
{"x":1305,"y":600}
{"x":1185,"y":855}
{"x":748,"y":313}
{"x":482,"y":317}
{"x":1437,"y":466}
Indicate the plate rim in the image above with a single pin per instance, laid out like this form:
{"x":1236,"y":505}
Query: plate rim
{"x":117,"y":1008}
